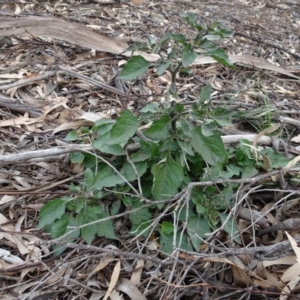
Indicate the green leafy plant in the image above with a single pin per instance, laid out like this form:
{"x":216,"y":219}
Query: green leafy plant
{"x":145,"y":174}
{"x":177,"y":53}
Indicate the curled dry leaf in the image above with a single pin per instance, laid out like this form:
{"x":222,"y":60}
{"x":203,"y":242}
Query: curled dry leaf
{"x":124,"y":285}
{"x":113,"y":280}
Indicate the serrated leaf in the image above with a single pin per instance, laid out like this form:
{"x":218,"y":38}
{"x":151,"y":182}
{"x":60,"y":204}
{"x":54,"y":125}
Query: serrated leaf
{"x":141,"y":155}
{"x":188,"y":55}
{"x":51,"y":211}
{"x":130,"y":174}
{"x":159,"y":130}
{"x":166,"y":242}
{"x":137,"y":46}
{"x":186,"y":126}
{"x":167,"y":178}
{"x":103,"y":126}
{"x":208,"y":128}
{"x":88,"y":178}
{"x":151,"y":107}
{"x":220,"y":56}
{"x":165,"y":38}
{"x":58,"y":228}
{"x":112,"y":181}
{"x":86,"y":216}
{"x":100,"y":176}
{"x":72,"y":136}
{"x":186,"y":148}
{"x":230,"y":227}
{"x":76,"y":157}
{"x":71,"y":224}
{"x":110,"y":149}
{"x":197,"y":228}
{"x":167,"y":227}
{"x":124,"y":128}
{"x":106,"y":228}
{"x":190,"y":18}
{"x":178,"y":38}
{"x":140,"y":216}
{"x":210,"y":147}
{"x":205,"y":94}
{"x":212,"y":37}
{"x":135,"y":67}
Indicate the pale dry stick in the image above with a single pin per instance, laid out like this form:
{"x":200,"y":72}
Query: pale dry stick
{"x":93,"y":81}
{"x":291,"y":193}
{"x":27,"y":81}
{"x":41,"y":282}
{"x":69,"y":148}
{"x":25,"y":156}
{"x":136,"y":172}
{"x":59,"y":265}
{"x":101,"y":250}
{"x":175,"y":252}
{"x":233,"y":211}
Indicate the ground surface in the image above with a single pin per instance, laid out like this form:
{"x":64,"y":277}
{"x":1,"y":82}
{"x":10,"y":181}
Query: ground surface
{"x":40,"y":101}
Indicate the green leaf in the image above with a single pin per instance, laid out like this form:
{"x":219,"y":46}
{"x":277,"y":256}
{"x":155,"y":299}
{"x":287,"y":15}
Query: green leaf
{"x":166,"y":38}
{"x":205,"y":94}
{"x":186,"y":126}
{"x":178,"y":108}
{"x":58,"y":228}
{"x":135,"y":67}
{"x":151,"y":107}
{"x":159,"y":130}
{"x":125,"y":127}
{"x":102,"y":126}
{"x":112,"y":181}
{"x":249,"y":171}
{"x":86,"y":216}
{"x":72,"y":136}
{"x":141,"y":155}
{"x":140,"y":216}
{"x":51,"y":211}
{"x":230,"y":227}
{"x":208,"y":46}
{"x":88,"y":178}
{"x":80,"y":204}
{"x":106,"y":228}
{"x":210,"y":147}
{"x":225,"y":33}
{"x":110,"y":149}
{"x":130,"y":174}
{"x":62,"y":228}
{"x":100,"y":176}
{"x":220,"y":56}
{"x":137,"y":46}
{"x":166,"y":242}
{"x":167,"y":227}
{"x":197,"y":228}
{"x":163,"y":67}
{"x":208,"y":128}
{"x":186,"y":148}
{"x":115,"y":206}
{"x":76,"y":157}
{"x":167,"y":178}
{"x":188,"y":55}
{"x":178,"y":38}
{"x":64,"y":225}
{"x":190,"y":18}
